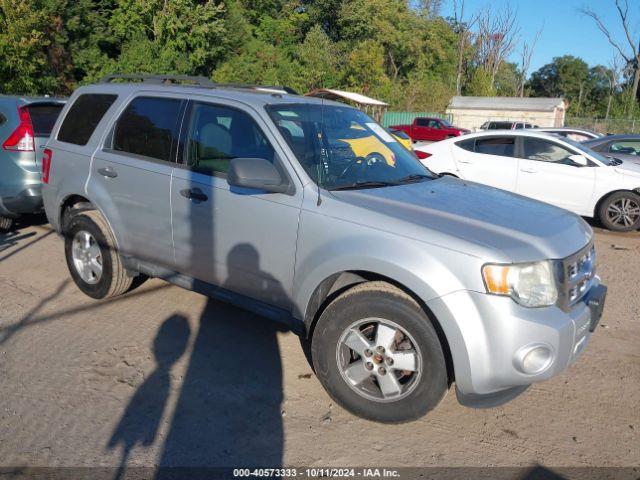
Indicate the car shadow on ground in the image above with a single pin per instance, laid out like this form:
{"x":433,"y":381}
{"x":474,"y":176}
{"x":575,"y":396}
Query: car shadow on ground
{"x":228,"y":412}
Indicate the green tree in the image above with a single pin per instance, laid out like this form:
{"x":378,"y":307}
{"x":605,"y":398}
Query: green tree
{"x":319,"y":60}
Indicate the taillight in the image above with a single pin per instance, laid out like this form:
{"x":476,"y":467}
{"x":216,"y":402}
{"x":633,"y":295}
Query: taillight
{"x":47,"y":155}
{"x":421,"y":155}
{"x":21,"y":139}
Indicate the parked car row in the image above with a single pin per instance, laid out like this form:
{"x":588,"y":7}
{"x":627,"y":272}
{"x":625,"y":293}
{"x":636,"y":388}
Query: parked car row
{"x":401,"y":281}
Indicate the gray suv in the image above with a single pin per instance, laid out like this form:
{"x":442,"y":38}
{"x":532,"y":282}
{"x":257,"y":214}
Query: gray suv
{"x":25,"y":125}
{"x":308,"y":212}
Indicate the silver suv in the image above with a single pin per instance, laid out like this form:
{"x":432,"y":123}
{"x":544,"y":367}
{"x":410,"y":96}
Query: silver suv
{"x":308,"y":212}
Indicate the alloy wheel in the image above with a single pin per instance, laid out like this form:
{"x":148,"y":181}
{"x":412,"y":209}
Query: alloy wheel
{"x":379,"y":360}
{"x":87,"y":257}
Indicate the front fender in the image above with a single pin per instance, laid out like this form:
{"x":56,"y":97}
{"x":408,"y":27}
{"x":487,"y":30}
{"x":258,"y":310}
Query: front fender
{"x":426,"y":270}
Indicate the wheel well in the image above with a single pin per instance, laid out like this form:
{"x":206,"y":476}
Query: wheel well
{"x":336,"y":284}
{"x":607,"y":195}
{"x":72,"y":205}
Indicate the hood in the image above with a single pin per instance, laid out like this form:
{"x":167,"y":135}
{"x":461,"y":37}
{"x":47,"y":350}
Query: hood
{"x":630,"y":164}
{"x":460,"y":215}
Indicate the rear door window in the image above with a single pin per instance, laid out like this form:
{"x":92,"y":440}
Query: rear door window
{"x":149,"y":126}
{"x":43,"y":116}
{"x":502,"y":146}
{"x":83,"y":117}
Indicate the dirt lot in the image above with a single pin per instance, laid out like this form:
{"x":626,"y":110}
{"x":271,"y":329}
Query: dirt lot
{"x":163,"y":376}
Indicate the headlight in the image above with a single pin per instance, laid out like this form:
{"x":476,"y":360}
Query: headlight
{"x":529,"y":284}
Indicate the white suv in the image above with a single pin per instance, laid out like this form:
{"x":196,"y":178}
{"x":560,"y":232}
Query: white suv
{"x":546,"y":167}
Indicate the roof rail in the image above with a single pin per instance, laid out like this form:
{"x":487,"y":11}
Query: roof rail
{"x":159,"y":79}
{"x":193,"y":80}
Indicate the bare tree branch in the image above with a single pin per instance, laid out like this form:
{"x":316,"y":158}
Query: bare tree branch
{"x":496,"y":38}
{"x":525,"y":62}
{"x":622,"y":6}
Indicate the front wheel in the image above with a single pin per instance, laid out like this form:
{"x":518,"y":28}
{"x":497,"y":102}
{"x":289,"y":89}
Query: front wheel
{"x":620,"y":212}
{"x":377,"y":354}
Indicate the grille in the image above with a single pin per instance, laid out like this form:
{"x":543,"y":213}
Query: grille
{"x":576,"y":275}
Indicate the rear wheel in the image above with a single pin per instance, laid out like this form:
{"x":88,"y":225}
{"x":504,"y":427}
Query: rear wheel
{"x":377,"y":354}
{"x":93,"y":262}
{"x":620,"y":212}
{"x":6,"y":224}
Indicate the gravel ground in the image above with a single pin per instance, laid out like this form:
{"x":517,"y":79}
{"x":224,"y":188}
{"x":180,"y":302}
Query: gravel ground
{"x":163,"y":376}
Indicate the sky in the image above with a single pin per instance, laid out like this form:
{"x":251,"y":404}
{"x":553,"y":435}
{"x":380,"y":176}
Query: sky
{"x":565,"y":31}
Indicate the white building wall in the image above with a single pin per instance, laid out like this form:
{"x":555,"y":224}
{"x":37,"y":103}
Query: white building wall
{"x":472,"y":119}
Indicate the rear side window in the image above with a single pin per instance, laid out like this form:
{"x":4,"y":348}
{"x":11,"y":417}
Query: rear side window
{"x":467,"y":144}
{"x":148,"y":127}
{"x":43,"y":116}
{"x":502,"y":146}
{"x":83,"y":117}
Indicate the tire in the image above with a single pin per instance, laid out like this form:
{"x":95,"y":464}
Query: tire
{"x":6,"y":224}
{"x":113,"y":279}
{"x":361,"y":307}
{"x":620,"y":212}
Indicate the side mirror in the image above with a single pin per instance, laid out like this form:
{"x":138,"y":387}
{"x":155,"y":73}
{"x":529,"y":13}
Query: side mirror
{"x":579,"y":160}
{"x":256,"y":173}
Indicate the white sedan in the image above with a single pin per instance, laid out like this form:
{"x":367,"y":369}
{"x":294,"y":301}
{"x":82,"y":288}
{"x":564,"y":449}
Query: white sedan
{"x":546,"y":167}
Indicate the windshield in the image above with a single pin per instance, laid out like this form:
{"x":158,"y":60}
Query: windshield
{"x":342,"y":148}
{"x":584,"y":148}
{"x":445,"y":123}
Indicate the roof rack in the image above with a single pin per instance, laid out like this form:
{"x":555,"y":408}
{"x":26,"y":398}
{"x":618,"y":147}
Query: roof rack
{"x":192,"y":80}
{"x":159,"y":79}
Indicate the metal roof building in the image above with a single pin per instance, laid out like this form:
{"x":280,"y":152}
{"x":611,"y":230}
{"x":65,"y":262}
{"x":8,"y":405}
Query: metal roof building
{"x":369,"y":105}
{"x":472,"y":112}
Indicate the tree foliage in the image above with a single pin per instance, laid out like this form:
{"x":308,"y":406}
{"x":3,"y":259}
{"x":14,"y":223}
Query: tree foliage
{"x":399,"y":51}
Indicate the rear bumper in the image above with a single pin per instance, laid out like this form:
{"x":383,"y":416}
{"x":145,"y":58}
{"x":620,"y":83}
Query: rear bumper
{"x":490,"y":335}
{"x":28,"y":200}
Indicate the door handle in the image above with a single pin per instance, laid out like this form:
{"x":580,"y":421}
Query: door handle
{"x":465,"y":161}
{"x":194,"y":194}
{"x":528,"y":170}
{"x":108,"y":172}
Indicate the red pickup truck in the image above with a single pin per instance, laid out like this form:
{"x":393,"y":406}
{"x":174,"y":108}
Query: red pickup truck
{"x":432,"y":129}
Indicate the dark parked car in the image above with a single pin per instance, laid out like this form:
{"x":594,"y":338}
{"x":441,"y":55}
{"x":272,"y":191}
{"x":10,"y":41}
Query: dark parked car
{"x":25,"y":125}
{"x":622,"y":147}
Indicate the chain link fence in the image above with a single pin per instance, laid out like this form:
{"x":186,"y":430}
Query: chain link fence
{"x":606,"y":126}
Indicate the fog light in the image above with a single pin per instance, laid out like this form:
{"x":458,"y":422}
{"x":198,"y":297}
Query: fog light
{"x":533,"y":360}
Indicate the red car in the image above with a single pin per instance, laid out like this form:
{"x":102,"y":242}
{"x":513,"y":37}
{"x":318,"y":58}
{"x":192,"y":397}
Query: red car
{"x":431,"y":129}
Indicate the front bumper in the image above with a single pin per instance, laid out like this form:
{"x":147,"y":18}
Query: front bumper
{"x":28,"y":200}
{"x":488,"y":334}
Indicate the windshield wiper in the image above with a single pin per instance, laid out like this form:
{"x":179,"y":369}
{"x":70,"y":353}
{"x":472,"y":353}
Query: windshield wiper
{"x":414,"y":178}
{"x":363,"y":184}
{"x":613,"y":162}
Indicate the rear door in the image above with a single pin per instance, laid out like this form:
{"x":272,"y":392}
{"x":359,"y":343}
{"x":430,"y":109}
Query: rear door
{"x":43,"y":117}
{"x":489,"y":160}
{"x":546,"y":173}
{"x":131,"y":176}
